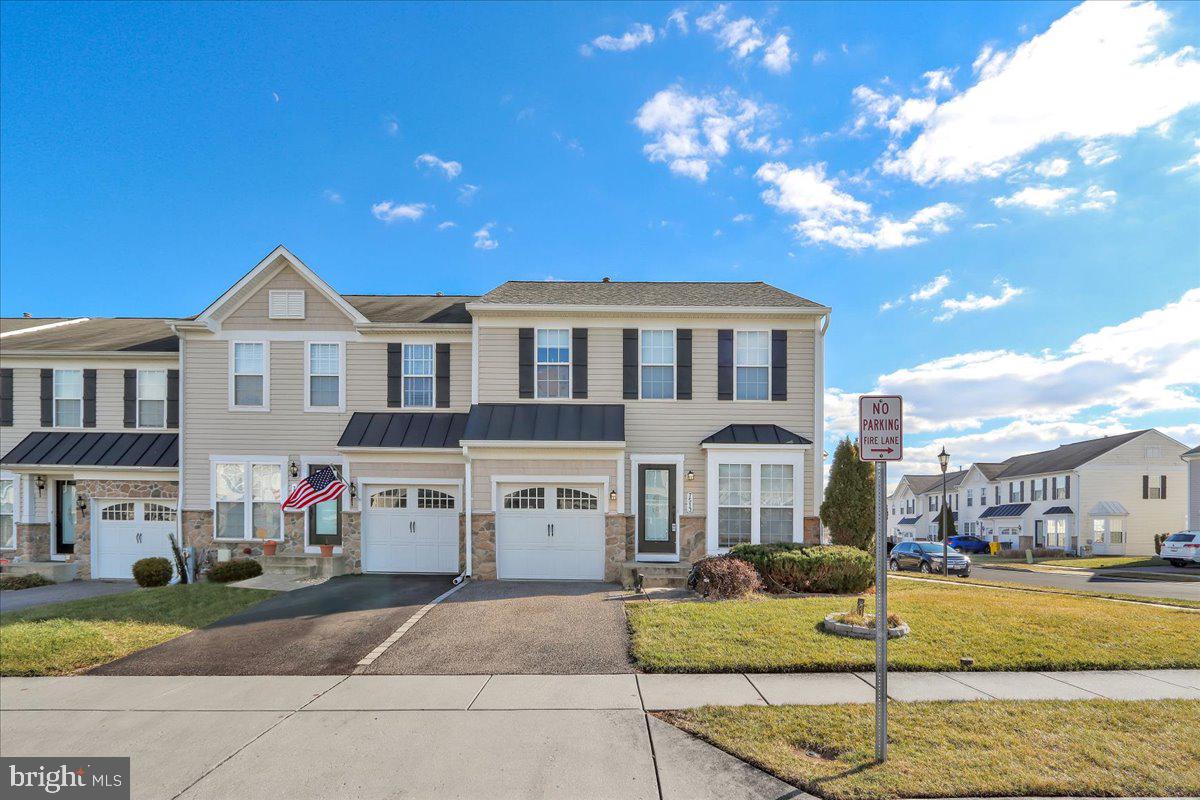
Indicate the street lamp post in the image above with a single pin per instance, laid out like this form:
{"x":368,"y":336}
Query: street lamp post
{"x":944,"y":460}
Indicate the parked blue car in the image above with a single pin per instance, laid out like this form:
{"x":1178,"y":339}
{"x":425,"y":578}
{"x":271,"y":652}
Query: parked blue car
{"x":968,"y":544}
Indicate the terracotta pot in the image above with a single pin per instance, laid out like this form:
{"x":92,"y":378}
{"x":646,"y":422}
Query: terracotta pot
{"x":269,"y":547}
{"x":326,"y":550}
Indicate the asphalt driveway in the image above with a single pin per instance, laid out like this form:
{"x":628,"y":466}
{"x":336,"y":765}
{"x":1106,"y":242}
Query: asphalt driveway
{"x":15,"y":600}
{"x":517,"y":628}
{"x":319,"y":630}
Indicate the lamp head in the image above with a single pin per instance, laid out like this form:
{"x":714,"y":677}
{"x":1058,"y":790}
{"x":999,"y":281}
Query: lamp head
{"x":944,"y":459}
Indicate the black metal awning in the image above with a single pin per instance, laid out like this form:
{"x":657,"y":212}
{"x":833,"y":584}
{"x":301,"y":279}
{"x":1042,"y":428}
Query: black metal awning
{"x":545,"y":422}
{"x":1006,"y":510}
{"x":1050,"y":512}
{"x":403,"y":429}
{"x":740,"y":433}
{"x":95,"y":449}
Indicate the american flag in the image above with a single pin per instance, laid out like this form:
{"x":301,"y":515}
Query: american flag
{"x":322,"y":485}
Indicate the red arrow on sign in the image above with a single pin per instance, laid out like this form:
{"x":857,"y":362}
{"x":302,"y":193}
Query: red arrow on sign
{"x":882,"y":450}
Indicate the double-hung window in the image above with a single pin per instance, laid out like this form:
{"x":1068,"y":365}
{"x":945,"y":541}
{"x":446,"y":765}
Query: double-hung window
{"x":68,"y":398}
{"x":658,"y":365}
{"x":756,"y":503}
{"x":152,"y":398}
{"x":553,"y":363}
{"x":249,"y":375}
{"x":752,"y":365}
{"x":777,"y":503}
{"x":247,"y":498}
{"x":324,"y":376}
{"x":8,"y":532}
{"x":418,"y":375}
{"x":982,"y":496}
{"x":734,"y":497}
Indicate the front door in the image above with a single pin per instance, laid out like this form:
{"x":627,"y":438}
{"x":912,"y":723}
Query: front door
{"x":656,"y":510}
{"x":325,"y":519}
{"x":64,"y":518}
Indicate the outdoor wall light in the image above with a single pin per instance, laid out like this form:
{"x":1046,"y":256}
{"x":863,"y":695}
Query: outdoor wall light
{"x":691,"y":475}
{"x":81,"y":504}
{"x":353,"y":493}
{"x":294,"y":469}
{"x":612,"y":496}
{"x":40,"y":482}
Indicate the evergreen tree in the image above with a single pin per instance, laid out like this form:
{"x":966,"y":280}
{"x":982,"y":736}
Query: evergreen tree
{"x":849,"y":505}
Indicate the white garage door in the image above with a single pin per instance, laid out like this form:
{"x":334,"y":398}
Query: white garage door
{"x":550,"y":533}
{"x":129,"y":530}
{"x":410,"y":529}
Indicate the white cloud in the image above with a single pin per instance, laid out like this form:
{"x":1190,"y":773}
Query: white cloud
{"x":638,"y":34}
{"x":931,"y":289}
{"x":1098,"y":199}
{"x":1191,"y":163}
{"x":893,"y":112}
{"x":334,"y":197}
{"x":741,"y":36}
{"x":1052,"y":167}
{"x":275,"y":95}
{"x":1042,"y":198}
{"x":778,"y":58}
{"x":391,"y":125}
{"x":819,"y":57}
{"x":939,"y":80}
{"x":743,"y":217}
{"x":984,"y":225}
{"x":827,"y":215}
{"x":390,"y":211}
{"x":1097,"y":154}
{"x":451,"y":169}
{"x":678,"y":18}
{"x":690,"y":133}
{"x":447,"y":225}
{"x":466,"y":193}
{"x":976,"y":302}
{"x":1150,"y":363}
{"x":483,"y":238}
{"x":1096,"y":72}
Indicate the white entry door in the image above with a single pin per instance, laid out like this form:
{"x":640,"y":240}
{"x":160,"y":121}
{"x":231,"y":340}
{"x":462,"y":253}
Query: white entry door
{"x":550,"y":533}
{"x":129,"y":530}
{"x":410,"y":529}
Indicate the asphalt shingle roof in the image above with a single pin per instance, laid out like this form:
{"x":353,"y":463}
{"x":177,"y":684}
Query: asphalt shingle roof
{"x":412,"y":308}
{"x":927,"y":483}
{"x":645,"y":293}
{"x":107,"y":334}
{"x":1064,"y":457}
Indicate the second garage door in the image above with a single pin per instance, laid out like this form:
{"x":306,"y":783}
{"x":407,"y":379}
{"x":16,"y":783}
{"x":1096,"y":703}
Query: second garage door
{"x":130,"y":530}
{"x":410,"y":529}
{"x":550,"y":533}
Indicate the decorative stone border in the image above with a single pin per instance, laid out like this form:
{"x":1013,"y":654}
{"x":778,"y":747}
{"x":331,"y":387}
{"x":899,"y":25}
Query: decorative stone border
{"x":859,"y":631}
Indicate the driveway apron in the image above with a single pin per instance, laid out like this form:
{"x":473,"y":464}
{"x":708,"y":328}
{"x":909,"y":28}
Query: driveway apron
{"x":319,"y":630}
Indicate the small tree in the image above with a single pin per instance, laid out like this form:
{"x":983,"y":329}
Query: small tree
{"x":946,"y":523}
{"x":849,"y":505}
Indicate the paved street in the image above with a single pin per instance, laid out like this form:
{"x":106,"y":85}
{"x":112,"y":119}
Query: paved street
{"x":1178,"y":590}
{"x":60,"y":592}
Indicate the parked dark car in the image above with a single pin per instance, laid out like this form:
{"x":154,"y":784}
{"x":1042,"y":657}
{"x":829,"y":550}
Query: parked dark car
{"x":968,"y":544}
{"x":926,"y":557}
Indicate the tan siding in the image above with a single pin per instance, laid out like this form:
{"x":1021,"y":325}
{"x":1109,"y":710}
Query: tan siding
{"x":319,"y":313}
{"x":415,"y":470}
{"x":483,"y":470}
{"x":498,"y":365}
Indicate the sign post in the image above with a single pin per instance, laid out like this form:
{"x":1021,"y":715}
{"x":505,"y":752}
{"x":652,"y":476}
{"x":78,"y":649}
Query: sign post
{"x":880,"y":440}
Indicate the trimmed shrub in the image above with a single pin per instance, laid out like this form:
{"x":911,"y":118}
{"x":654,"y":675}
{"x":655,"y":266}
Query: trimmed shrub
{"x":821,"y":569}
{"x":723,"y":578}
{"x":152,"y":571}
{"x":239,"y":569}
{"x":30,"y":581}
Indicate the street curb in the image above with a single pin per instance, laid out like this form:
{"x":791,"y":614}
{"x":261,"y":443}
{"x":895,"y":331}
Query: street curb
{"x":1110,"y":571}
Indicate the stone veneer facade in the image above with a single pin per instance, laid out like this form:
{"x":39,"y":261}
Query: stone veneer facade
{"x":99,"y":491}
{"x":33,"y":541}
{"x":198,"y":533}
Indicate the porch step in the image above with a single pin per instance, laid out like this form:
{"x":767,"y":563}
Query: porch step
{"x":57,"y":571}
{"x":303,"y":566}
{"x":655,"y":574}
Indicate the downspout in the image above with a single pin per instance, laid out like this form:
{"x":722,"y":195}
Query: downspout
{"x":819,"y":421}
{"x":467,"y":506}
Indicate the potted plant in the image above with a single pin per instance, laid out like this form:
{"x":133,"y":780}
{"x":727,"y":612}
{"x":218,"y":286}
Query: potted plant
{"x":269,"y":547}
{"x":326,"y":550}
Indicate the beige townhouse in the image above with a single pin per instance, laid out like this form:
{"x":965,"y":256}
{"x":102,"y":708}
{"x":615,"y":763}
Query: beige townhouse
{"x":544,"y":430}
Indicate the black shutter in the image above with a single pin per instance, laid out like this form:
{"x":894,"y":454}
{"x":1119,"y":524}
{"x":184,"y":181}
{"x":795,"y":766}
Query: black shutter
{"x":47,"y":398}
{"x":172,"y":398}
{"x":779,"y":365}
{"x":1145,"y":487}
{"x":629,"y":364}
{"x":683,"y":364}
{"x":1163,"y":482}
{"x":6,"y":397}
{"x":395,"y":375}
{"x":579,"y":363}
{"x":725,"y":364}
{"x":89,"y":398}
{"x":442,"y":375}
{"x":1068,"y":487}
{"x":525,"y":362}
{"x":131,"y":398}
{"x":997,"y":496}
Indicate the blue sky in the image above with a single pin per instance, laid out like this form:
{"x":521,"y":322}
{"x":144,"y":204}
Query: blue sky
{"x":1041,"y":157}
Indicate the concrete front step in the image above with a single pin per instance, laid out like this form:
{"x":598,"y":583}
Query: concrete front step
{"x":304,"y":566}
{"x":655,"y":574}
{"x":57,"y":571}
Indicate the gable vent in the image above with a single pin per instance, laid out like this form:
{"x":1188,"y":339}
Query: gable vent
{"x":286,"y":304}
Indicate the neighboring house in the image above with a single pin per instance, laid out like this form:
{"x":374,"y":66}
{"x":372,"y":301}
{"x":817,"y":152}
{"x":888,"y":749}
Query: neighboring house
{"x":542,"y":430}
{"x":916,"y":502}
{"x":89,"y":428}
{"x":1104,"y":496}
{"x":1192,"y":457}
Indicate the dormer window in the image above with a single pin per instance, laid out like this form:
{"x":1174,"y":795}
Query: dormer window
{"x":286,"y":304}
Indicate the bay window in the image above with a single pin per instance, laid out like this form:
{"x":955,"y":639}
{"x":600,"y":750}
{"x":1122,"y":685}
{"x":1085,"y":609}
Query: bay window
{"x":152,"y":398}
{"x":418,"y":375}
{"x":249,"y":375}
{"x":247,"y":499}
{"x":553,"y":370}
{"x":658,"y":365}
{"x":752,"y":365}
{"x":324,"y":376}
{"x":68,"y":398}
{"x":754,"y":498}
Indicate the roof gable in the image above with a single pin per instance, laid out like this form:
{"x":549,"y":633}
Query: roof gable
{"x":1064,"y":457}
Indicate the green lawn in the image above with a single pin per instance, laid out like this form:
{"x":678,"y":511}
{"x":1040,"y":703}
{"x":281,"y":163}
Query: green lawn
{"x":67,"y":637}
{"x":1001,"y":629}
{"x":988,"y":748}
{"x":1025,"y":587}
{"x":1106,"y":562}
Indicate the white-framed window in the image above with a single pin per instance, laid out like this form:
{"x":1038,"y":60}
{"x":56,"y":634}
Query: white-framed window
{"x":982,"y":496}
{"x":734,"y":499}
{"x":776,"y":503}
{"x":1035,"y":491}
{"x":158,"y":512}
{"x":970,"y":499}
{"x":323,"y":372}
{"x":8,"y":529}
{"x":552,"y":377}
{"x":152,"y":398}
{"x":1056,"y":533}
{"x":246,"y":500}
{"x":249,"y":382}
{"x":1153,"y":488}
{"x":533,"y":498}
{"x":1013,"y":497}
{"x":117,"y":512}
{"x":658,"y":365}
{"x":418,"y":376}
{"x":569,"y":499}
{"x":1059,"y":487}
{"x":1153,"y":451}
{"x":434,"y":498}
{"x":389,"y":498}
{"x":68,"y":398}
{"x":752,"y":365}
{"x":754,"y":498}
{"x":285,"y":304}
